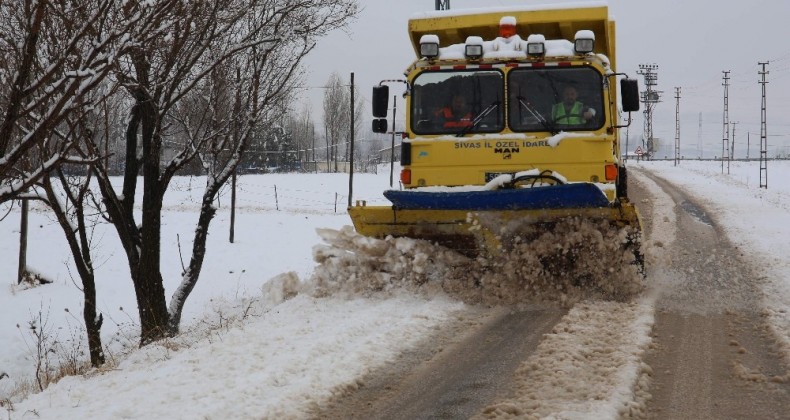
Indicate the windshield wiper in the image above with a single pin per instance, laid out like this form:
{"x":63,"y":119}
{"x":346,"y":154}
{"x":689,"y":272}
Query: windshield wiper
{"x":478,"y":118}
{"x":549,"y":126}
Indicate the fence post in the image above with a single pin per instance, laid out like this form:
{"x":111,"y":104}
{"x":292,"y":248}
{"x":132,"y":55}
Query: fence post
{"x":276,"y":200}
{"x":232,"y":205}
{"x":22,"y":273}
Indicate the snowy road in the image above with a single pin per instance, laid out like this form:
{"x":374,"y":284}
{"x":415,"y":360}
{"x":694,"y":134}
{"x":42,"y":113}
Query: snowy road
{"x":713,"y":355}
{"x":454,"y":374}
{"x":709,"y":353}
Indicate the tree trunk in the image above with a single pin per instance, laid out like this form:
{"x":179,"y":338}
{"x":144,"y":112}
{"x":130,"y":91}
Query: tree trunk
{"x":151,"y":302}
{"x":80,"y":251}
{"x":93,"y":322}
{"x":190,"y":277}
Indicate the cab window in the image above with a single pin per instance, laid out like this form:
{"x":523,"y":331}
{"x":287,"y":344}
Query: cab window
{"x":555,"y":99}
{"x":452,"y":102}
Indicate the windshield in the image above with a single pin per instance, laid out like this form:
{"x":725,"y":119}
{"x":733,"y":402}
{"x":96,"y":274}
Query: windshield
{"x":555,"y":99}
{"x":458,"y":102}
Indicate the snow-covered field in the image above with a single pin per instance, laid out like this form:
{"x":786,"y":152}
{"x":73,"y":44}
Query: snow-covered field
{"x":248,"y":352}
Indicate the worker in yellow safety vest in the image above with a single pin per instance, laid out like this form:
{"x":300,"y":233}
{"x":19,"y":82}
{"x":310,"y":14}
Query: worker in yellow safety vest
{"x":571,"y":111}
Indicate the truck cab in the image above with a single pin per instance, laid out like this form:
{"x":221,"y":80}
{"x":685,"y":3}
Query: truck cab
{"x":506,"y":91}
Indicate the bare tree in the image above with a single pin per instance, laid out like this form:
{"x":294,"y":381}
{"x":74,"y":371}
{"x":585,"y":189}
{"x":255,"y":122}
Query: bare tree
{"x":245,"y":55}
{"x":302,"y":130}
{"x":51,"y":55}
{"x":69,"y":202}
{"x":55,"y":68}
{"x":337,"y":116}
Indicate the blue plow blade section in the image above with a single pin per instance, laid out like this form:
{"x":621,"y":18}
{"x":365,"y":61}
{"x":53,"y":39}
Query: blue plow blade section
{"x":565,"y":196}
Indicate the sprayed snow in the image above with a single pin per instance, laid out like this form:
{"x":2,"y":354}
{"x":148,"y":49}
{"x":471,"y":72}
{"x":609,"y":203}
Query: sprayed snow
{"x":563,"y":265}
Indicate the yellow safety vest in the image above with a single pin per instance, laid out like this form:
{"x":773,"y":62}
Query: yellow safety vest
{"x":575,"y":117}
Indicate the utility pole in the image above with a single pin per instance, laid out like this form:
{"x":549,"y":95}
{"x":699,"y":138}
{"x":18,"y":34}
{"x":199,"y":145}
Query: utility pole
{"x":233,"y":205}
{"x":650,"y":98}
{"x":677,"y":126}
{"x":763,"y":132}
{"x":351,"y":155}
{"x":732,"y":143}
{"x":392,"y":145}
{"x":315,"y":162}
{"x":725,"y":130}
{"x":442,"y":4}
{"x":627,"y":137}
{"x":748,"y":144}
{"x":22,"y":271}
{"x":699,"y":136}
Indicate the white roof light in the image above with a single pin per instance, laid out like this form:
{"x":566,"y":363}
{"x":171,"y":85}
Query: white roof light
{"x":536,"y":45}
{"x":584,"y":41}
{"x":474,"y":47}
{"x":429,"y":46}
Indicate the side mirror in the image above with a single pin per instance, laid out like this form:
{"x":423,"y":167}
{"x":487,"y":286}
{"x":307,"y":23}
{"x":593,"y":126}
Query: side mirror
{"x":380,"y":125}
{"x":381,"y":94}
{"x":629,"y":92}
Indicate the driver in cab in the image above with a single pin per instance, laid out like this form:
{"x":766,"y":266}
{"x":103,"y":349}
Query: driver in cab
{"x":455,"y":115}
{"x":571,"y":111}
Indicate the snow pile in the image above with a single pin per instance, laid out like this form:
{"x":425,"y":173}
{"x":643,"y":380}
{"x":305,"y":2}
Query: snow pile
{"x":589,"y":366}
{"x":566,"y":262}
{"x":352,"y":264}
{"x":279,"y":362}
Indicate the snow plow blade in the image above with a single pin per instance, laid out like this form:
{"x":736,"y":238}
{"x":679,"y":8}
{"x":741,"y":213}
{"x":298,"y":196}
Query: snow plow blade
{"x":487,"y":222}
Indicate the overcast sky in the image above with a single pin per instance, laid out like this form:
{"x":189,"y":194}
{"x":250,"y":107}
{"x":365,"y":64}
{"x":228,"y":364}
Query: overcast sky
{"x":691,"y":41}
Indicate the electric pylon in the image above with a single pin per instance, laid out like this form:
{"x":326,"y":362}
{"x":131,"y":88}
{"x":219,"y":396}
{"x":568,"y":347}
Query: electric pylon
{"x":677,"y":126}
{"x":763,"y":132}
{"x":650,"y":98}
{"x":725,"y":130}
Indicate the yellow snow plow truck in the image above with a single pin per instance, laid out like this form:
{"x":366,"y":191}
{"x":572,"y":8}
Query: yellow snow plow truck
{"x":512,"y":127}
